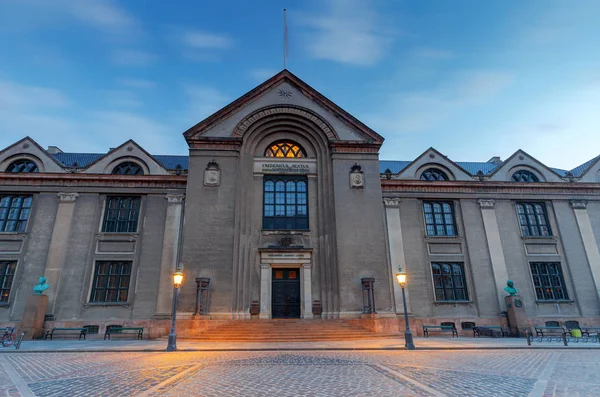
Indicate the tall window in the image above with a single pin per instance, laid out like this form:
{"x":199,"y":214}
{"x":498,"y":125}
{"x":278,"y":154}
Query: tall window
{"x":121,"y":214}
{"x":14,"y":212}
{"x":128,"y":168}
{"x":23,"y":165}
{"x":433,"y":174}
{"x":7,"y":271}
{"x":449,"y":282}
{"x":285,"y":149}
{"x":285,"y":203}
{"x":439,"y":218}
{"x":533,"y":219}
{"x":111,"y":282}
{"x":524,"y":176}
{"x":548,"y":281}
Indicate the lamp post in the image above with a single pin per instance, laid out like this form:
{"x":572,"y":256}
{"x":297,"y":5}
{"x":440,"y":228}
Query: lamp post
{"x":408,"y":338}
{"x":177,"y":280}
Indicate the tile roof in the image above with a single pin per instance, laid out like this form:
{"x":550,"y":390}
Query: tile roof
{"x":171,"y":162}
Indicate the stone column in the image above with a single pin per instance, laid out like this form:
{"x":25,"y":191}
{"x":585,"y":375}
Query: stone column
{"x":492,"y":235}
{"x":58,"y":246}
{"x":265,"y":291}
{"x":307,"y":290}
{"x":164,"y":300}
{"x":588,"y":238}
{"x":396,"y":244}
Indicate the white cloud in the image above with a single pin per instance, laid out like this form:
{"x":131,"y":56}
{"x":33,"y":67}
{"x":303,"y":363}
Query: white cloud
{"x":205,"y":40}
{"x":262,"y":74}
{"x":137,"y":83}
{"x":15,"y":96}
{"x":433,"y":53}
{"x":133,"y":57}
{"x":348,"y":32}
{"x":100,"y":14}
{"x":203,"y":101}
{"x":121,"y":98}
{"x":420,"y":110}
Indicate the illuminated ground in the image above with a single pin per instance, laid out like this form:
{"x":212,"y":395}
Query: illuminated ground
{"x":287,"y":373}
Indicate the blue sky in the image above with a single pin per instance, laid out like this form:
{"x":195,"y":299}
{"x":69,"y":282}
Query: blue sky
{"x":473,"y":79}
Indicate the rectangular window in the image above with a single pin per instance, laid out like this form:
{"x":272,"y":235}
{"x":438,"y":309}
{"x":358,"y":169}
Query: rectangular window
{"x":548,"y":281}
{"x":533,"y":219}
{"x":449,"y":282}
{"x":121,"y":214}
{"x":439,"y":218}
{"x":111,"y":281}
{"x":285,"y":203}
{"x":14,"y":212}
{"x":7,"y":273}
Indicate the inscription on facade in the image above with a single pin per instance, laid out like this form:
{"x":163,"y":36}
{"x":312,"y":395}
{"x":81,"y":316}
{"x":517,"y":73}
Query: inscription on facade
{"x":286,"y":167}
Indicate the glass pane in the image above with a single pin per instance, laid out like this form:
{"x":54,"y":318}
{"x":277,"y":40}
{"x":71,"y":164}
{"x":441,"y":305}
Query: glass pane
{"x":427,"y":207}
{"x":430,"y":230}
{"x":280,"y":186}
{"x":269,"y":198}
{"x":124,"y":282}
{"x":269,"y":186}
{"x":122,"y":295}
{"x":292,"y":274}
{"x":279,"y":274}
{"x":290,"y":186}
{"x":301,"y":186}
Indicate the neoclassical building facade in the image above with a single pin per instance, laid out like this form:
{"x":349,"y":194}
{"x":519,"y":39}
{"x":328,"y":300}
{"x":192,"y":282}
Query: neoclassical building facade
{"x":282,"y":209}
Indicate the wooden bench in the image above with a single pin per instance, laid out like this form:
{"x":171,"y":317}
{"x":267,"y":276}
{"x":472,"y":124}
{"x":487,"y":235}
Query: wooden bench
{"x":549,"y":331}
{"x":586,"y":331}
{"x":138,"y":331}
{"x":81,"y":332}
{"x":481,"y":330}
{"x":439,"y":328}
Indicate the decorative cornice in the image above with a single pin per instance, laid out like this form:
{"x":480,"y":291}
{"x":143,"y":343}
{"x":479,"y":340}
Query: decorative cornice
{"x":354,"y":147}
{"x":489,"y":187}
{"x":215,"y":143}
{"x":487,"y":203}
{"x":578,"y":204}
{"x":175,"y":198}
{"x":265,"y":265}
{"x":391,"y":202}
{"x":42,"y":179}
{"x":307,"y":266}
{"x":67,"y":197}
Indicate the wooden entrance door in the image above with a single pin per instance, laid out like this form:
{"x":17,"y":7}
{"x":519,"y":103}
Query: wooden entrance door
{"x":286,"y":293}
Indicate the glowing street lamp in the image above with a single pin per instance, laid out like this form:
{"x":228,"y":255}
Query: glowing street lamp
{"x":177,"y":281}
{"x":408,"y":338}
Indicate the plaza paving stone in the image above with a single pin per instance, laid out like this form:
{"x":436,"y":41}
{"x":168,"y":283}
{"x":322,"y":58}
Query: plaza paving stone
{"x":310,"y":373}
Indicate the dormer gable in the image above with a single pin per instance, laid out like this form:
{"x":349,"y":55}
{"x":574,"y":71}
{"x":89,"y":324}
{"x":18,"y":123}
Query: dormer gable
{"x":128,"y":152}
{"x":430,"y":161}
{"x":588,"y":171}
{"x":28,"y":149}
{"x":524,"y":164}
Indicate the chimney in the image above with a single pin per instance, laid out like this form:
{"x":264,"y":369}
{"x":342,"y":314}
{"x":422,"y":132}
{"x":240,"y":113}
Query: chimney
{"x":53,"y":150}
{"x":495,"y":160}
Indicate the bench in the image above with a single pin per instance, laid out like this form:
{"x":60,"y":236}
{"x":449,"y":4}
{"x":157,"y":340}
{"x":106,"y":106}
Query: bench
{"x":586,"y":331}
{"x":81,"y":332}
{"x":489,"y":330}
{"x":439,"y":328}
{"x":138,"y":331}
{"x":549,"y":331}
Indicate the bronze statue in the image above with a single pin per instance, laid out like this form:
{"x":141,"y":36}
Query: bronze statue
{"x":41,"y":286}
{"x":510,"y":288}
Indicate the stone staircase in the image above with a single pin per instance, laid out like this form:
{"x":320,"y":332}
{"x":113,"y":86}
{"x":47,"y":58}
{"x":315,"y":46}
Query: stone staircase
{"x":287,"y":330}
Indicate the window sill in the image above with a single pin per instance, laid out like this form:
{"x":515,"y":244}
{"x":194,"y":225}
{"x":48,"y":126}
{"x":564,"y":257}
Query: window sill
{"x":13,"y":235}
{"x":268,"y":232}
{"x":118,"y":236}
{"x":105,"y":304}
{"x":444,"y":238}
{"x":538,"y":302}
{"x":4,"y":305}
{"x":452,"y":302}
{"x":539,"y":238}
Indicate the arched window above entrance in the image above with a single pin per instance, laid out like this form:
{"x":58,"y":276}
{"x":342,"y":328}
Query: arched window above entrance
{"x":285,"y":148}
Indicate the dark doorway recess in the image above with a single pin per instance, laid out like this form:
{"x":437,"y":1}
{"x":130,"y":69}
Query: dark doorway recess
{"x":286,"y":293}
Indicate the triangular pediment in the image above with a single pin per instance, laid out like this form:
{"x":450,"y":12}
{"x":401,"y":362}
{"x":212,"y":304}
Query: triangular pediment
{"x":27,"y":148}
{"x":588,"y":171}
{"x":129,"y":151}
{"x":520,"y":160}
{"x":431,"y":158}
{"x":284,"y":92}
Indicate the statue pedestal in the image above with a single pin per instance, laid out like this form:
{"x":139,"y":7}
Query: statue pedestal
{"x":33,"y":317}
{"x":517,"y":317}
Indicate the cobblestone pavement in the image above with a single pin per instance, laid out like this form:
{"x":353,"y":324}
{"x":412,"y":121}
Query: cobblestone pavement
{"x":291,"y":373}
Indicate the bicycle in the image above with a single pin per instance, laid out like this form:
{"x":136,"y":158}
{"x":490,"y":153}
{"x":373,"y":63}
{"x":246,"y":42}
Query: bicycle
{"x":8,"y":338}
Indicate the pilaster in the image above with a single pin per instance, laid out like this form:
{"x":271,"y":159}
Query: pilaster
{"x":265,"y":291}
{"x":307,"y":290}
{"x":492,"y":235}
{"x":58,"y":246}
{"x":589,"y":241}
{"x":396,"y":246}
{"x":168,"y":261}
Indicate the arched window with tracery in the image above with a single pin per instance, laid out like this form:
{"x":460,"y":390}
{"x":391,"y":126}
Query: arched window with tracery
{"x":524,"y":176}
{"x":433,"y":174}
{"x":23,"y":165}
{"x":128,"y":168}
{"x":285,"y":148}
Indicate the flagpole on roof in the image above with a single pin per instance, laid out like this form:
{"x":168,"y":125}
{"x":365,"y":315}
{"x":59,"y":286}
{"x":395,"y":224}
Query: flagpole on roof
{"x":284,"y":38}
